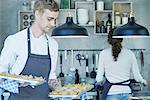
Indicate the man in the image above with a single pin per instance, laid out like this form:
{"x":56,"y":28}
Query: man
{"x":33,"y":52}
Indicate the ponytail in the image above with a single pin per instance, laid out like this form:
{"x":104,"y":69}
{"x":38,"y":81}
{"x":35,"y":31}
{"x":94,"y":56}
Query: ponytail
{"x":116,"y":45}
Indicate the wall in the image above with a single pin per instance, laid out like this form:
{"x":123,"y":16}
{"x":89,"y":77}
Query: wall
{"x":9,"y":25}
{"x":0,"y":23}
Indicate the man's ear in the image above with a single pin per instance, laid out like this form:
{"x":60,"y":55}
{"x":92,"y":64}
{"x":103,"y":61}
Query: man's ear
{"x":36,"y":14}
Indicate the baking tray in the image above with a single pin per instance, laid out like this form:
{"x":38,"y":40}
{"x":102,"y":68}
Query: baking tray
{"x":71,"y":96}
{"x":26,"y":81}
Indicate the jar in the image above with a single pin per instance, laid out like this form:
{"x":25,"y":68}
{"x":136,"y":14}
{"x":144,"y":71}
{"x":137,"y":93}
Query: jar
{"x":117,"y":18}
{"x":100,"y":5}
{"x":32,"y":4}
{"x":124,"y":18}
{"x":25,"y":6}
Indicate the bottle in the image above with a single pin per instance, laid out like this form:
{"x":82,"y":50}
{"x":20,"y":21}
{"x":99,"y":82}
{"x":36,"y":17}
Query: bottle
{"x":77,"y":77}
{"x":108,"y":24}
{"x":124,"y":18}
{"x":97,"y":26}
{"x":65,"y":4}
{"x":117,"y":18}
{"x":102,"y":27}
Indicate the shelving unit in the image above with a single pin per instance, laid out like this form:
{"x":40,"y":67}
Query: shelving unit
{"x":25,"y":19}
{"x":93,"y":14}
{"x":101,"y":16}
{"x":90,"y":6}
{"x":121,"y":7}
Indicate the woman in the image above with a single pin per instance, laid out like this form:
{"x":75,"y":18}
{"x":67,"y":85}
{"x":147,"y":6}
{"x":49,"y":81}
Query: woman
{"x":116,"y":64}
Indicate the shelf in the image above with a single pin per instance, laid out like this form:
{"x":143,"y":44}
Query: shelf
{"x":101,"y":34}
{"x":86,"y":25}
{"x":67,"y":10}
{"x":85,"y":2}
{"x":93,"y":15}
{"x":104,"y":11}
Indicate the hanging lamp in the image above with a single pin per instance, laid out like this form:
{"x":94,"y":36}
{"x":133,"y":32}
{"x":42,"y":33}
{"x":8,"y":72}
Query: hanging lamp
{"x":69,"y":30}
{"x":131,"y":30}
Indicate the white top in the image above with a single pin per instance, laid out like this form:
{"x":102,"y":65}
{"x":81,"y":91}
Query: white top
{"x":118,"y":71}
{"x":15,"y":52}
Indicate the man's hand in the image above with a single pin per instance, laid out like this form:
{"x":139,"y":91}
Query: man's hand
{"x":1,"y":81}
{"x":54,"y":84}
{"x":145,"y":83}
{"x":23,"y":85}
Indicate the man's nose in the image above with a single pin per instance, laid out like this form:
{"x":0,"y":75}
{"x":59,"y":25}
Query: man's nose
{"x":53,"y":23}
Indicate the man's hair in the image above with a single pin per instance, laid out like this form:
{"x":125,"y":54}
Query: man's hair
{"x":40,"y":5}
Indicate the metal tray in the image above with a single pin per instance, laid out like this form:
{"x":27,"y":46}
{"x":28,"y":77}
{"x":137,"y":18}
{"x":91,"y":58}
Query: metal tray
{"x":71,"y":96}
{"x":26,"y":81}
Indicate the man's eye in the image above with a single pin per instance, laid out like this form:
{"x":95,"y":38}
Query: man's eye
{"x":49,"y":19}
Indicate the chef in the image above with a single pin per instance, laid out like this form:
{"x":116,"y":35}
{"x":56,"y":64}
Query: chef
{"x":32,"y":52}
{"x":116,"y":64}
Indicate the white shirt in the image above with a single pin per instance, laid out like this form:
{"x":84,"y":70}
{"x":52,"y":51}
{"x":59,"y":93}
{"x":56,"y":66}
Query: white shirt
{"x":118,"y":71}
{"x":15,"y":52}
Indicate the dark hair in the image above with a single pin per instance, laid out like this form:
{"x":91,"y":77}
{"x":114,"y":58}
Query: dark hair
{"x":40,"y":5}
{"x":116,"y":44}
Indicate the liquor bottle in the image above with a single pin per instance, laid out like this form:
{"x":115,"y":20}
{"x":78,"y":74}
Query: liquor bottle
{"x":108,"y":23}
{"x":64,"y":4}
{"x":77,"y":77}
{"x":117,"y":19}
{"x":102,"y":27}
{"x":97,"y":26}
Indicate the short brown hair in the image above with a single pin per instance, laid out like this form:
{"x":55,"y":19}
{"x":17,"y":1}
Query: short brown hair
{"x":40,"y":5}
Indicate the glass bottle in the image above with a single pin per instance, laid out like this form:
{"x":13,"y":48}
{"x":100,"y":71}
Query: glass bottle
{"x":108,"y":23}
{"x":64,"y":4}
{"x":102,"y":27}
{"x":124,"y":18}
{"x":77,"y":77}
{"x":97,"y":26}
{"x":117,"y":18}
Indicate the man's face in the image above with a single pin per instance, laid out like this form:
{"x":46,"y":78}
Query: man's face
{"x":46,"y":20}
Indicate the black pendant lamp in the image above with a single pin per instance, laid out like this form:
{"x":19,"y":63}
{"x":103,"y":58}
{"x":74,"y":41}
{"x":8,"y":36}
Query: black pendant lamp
{"x":69,"y":29}
{"x":131,"y":30}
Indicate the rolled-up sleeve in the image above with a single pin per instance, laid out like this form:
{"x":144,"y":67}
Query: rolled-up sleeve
{"x":7,"y":56}
{"x":54,"y":55}
{"x":135,"y":69}
{"x":100,"y":72}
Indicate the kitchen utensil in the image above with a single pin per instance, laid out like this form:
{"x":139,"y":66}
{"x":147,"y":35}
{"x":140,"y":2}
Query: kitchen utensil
{"x":93,"y":73}
{"x":87,"y":68}
{"x":65,"y":54}
{"x":142,"y":58}
{"x":80,"y":57}
{"x":96,"y":60}
{"x":61,"y":73}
